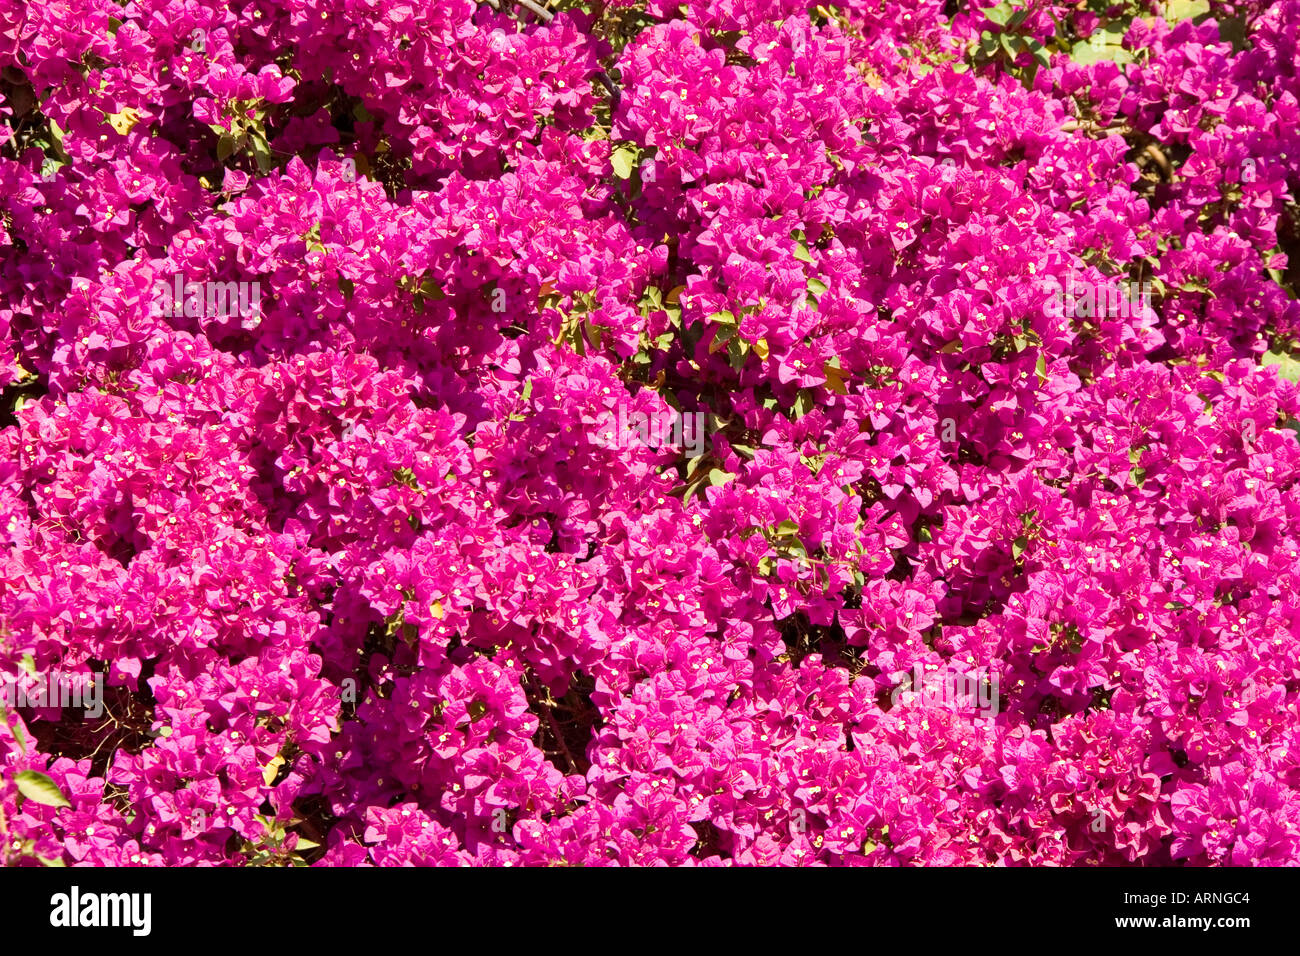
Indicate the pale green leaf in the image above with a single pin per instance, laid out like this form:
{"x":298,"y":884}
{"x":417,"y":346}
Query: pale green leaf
{"x":623,"y":159}
{"x":1288,"y":367}
{"x":1178,"y":10}
{"x":39,"y":788}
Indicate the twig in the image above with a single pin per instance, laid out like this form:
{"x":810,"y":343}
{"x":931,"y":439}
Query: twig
{"x":614,"y":95}
{"x":4,"y":837}
{"x":1155,"y":153}
{"x":537,"y":9}
{"x":1090,"y":126}
{"x":559,"y":739}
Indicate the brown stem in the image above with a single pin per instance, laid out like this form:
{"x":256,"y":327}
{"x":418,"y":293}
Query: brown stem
{"x":1155,"y":153}
{"x":537,"y":9}
{"x":559,"y":739}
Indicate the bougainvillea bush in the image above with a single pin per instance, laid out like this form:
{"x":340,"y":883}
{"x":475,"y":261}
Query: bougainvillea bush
{"x":741,"y":432}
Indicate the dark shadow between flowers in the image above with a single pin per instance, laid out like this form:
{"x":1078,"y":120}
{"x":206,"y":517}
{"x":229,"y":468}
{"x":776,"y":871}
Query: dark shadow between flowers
{"x":125,"y":725}
{"x":565,"y":726}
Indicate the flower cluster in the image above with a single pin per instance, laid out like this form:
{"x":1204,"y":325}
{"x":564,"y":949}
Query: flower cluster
{"x":365,"y":581}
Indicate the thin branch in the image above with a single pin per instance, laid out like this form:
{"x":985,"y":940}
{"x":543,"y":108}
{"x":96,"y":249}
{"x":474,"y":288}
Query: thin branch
{"x":1089,"y":126}
{"x":559,"y":739}
{"x":537,"y":9}
{"x":614,"y":95}
{"x":1155,"y":153}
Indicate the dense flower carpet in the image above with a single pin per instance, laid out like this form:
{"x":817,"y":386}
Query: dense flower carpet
{"x":735,"y":432}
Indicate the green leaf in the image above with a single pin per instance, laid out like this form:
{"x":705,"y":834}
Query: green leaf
{"x":1039,"y":51}
{"x":723,"y":338}
{"x":623,"y":159}
{"x":1233,"y":30}
{"x":719,"y":477}
{"x":835,"y":377}
{"x":1178,"y":10}
{"x":802,"y":254}
{"x":261,"y":150}
{"x":1059,"y":38}
{"x":1104,"y":44}
{"x":1018,"y":547}
{"x":430,"y":288}
{"x":1000,"y":14}
{"x":17,"y":731}
{"x":313,"y":235}
{"x":737,"y":349}
{"x":225,"y":147}
{"x":788,"y":527}
{"x":50,"y":168}
{"x":1288,"y":367}
{"x":816,"y":287}
{"x":39,"y":788}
